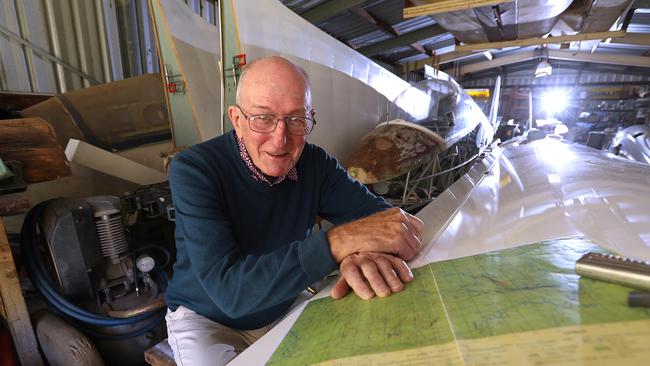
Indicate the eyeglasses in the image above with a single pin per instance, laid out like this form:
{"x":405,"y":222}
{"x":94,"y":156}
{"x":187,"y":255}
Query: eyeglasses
{"x":266,"y":123}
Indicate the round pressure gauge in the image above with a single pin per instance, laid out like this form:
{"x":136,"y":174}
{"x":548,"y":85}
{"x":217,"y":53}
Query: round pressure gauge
{"x":145,"y":263}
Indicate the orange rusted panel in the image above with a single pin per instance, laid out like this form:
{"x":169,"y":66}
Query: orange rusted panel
{"x":391,"y":150}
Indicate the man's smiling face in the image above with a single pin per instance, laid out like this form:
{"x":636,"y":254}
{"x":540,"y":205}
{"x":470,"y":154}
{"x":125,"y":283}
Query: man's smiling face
{"x":271,"y":86}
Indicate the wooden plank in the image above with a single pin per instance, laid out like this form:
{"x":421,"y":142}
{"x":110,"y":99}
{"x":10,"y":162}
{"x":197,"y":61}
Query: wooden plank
{"x":445,"y":6}
{"x":160,"y":355}
{"x":539,"y":41}
{"x":32,"y":142}
{"x":18,"y":101}
{"x":13,"y":204}
{"x":639,"y":39}
{"x":112,"y":164}
{"x":15,"y":310}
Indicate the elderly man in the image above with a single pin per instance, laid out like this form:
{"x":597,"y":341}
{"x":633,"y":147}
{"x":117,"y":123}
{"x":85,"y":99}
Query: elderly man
{"x":246,"y":203}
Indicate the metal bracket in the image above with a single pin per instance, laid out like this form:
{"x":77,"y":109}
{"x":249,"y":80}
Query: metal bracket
{"x":174,"y":83}
{"x":238,"y":62}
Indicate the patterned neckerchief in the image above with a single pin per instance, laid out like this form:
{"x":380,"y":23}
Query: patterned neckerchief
{"x":257,"y":174}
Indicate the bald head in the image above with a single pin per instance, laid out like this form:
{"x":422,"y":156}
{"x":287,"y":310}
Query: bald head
{"x":272,"y":86}
{"x":272,"y":70}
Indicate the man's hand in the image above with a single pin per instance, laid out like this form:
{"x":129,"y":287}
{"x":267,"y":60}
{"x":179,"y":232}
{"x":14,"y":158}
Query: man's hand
{"x":370,"y":274}
{"x":392,"y":231}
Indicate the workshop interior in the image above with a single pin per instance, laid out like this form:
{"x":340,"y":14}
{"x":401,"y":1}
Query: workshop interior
{"x":517,"y":131}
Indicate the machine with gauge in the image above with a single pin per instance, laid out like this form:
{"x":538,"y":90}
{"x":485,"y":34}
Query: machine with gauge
{"x":101,"y":262}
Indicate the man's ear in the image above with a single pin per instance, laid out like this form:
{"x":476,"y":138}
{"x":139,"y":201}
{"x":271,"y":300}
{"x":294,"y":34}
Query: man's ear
{"x":234,"y":119}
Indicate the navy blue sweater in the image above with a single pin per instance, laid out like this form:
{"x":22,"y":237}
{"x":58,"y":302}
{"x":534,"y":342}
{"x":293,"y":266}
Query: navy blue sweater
{"x":244,"y":249}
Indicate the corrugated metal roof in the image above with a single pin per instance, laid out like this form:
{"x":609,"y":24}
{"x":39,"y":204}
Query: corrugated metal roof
{"x":389,"y":11}
{"x":348,"y":26}
{"x":358,"y":31}
{"x":300,"y":6}
{"x":443,"y":40}
{"x":370,"y":38}
{"x":640,"y":21}
{"x":413,"y":24}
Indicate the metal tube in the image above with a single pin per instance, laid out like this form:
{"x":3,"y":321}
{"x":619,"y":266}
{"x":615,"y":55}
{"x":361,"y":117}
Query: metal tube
{"x":54,"y":44}
{"x":406,"y":186}
{"x":419,"y":178}
{"x":147,"y":45}
{"x":103,"y":44}
{"x":79,"y":37}
{"x":530,"y":108}
{"x":449,"y":169}
{"x":433,"y":171}
{"x":29,"y":55}
{"x":139,"y":31}
{"x":46,"y":54}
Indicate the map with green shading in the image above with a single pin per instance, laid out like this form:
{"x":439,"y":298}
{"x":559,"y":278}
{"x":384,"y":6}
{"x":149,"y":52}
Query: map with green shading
{"x":468,"y":303}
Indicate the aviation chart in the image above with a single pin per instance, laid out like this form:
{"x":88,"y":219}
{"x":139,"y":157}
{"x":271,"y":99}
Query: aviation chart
{"x":517,"y":306}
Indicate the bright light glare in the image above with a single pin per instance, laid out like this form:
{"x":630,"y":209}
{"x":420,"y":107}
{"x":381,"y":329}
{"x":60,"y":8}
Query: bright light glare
{"x":561,"y":129}
{"x":554,"y":101}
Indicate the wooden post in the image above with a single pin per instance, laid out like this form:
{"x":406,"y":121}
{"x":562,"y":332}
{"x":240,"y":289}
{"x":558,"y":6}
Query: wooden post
{"x":32,"y":142}
{"x":14,"y":309}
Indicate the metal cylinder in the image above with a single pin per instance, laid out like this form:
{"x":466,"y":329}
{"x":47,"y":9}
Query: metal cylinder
{"x":110,"y":232}
{"x":110,"y":228}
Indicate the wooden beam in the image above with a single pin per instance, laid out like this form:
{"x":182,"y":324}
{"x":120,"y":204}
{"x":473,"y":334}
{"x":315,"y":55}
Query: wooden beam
{"x":328,"y":9}
{"x":405,"y":39}
{"x":441,"y":59}
{"x":32,"y":142}
{"x":418,"y":47}
{"x":445,"y":6}
{"x":538,"y":41}
{"x":639,"y":39}
{"x":14,"y":308}
{"x":106,"y":162}
{"x":13,"y":204}
{"x":18,"y":101}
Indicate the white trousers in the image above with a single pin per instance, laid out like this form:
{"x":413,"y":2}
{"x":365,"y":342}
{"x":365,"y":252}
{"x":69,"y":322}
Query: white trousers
{"x":197,"y":340}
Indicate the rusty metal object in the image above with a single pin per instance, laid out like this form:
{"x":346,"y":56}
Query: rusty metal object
{"x":155,"y":304}
{"x":392,"y":149}
{"x":107,"y":114}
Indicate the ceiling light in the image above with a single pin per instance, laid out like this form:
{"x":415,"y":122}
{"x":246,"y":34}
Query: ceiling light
{"x":543,"y":68}
{"x":554,"y":101}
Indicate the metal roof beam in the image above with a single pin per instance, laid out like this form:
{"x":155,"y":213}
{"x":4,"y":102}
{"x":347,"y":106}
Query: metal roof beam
{"x":386,"y":27}
{"x":497,"y":62}
{"x":639,"y":39}
{"x":601,"y":58}
{"x":438,"y":59}
{"x":539,"y":41}
{"x":405,"y":39}
{"x":328,"y":9}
